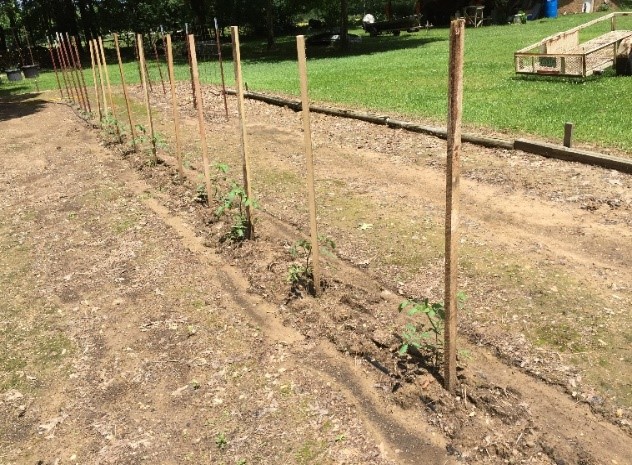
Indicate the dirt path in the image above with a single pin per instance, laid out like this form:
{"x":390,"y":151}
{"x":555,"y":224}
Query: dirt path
{"x":129,"y":339}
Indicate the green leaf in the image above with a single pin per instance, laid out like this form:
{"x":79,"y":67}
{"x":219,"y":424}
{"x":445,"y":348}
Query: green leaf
{"x":403,"y":305}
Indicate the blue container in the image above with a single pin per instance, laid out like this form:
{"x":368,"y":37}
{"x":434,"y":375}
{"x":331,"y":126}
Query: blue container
{"x":550,"y":9}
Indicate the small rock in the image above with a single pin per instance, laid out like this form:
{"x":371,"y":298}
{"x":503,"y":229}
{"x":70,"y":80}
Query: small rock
{"x":386,"y":294}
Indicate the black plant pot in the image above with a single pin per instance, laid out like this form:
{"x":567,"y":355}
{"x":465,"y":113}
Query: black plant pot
{"x":30,"y":71}
{"x":14,"y":74}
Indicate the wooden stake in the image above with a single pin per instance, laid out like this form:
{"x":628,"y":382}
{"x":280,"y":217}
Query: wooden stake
{"x":94,"y":79}
{"x":77,"y":61}
{"x":129,"y":110}
{"x":164,"y":43}
{"x":153,"y":42}
{"x":234,"y":32}
{"x":453,"y":174}
{"x":186,"y":29}
{"x":307,"y":134}
{"x":141,"y":57}
{"x":174,"y":105}
{"x":200,"y":112}
{"x":140,"y":74}
{"x":62,"y":67}
{"x":221,"y":66}
{"x":71,"y":78}
{"x":568,"y":134}
{"x":52,"y":59}
{"x":74,"y":71}
{"x":144,"y":66}
{"x":106,"y":110}
{"x":107,"y":81}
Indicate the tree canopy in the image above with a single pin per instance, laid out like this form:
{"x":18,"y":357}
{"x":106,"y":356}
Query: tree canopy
{"x":90,"y":18}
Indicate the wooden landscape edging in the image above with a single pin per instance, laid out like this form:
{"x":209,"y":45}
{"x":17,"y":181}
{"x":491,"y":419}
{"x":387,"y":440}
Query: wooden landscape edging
{"x":384,"y":120}
{"x":537,"y":148}
{"x":569,"y":154}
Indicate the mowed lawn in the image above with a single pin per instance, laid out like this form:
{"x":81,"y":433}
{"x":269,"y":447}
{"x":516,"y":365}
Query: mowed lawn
{"x":407,"y":75}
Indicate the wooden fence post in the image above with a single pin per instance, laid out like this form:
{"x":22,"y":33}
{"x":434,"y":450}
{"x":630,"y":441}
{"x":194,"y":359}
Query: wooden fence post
{"x":453,"y":174}
{"x":307,"y":134}
{"x":239,"y":84}
{"x":568,"y":134}
{"x":200,"y":112}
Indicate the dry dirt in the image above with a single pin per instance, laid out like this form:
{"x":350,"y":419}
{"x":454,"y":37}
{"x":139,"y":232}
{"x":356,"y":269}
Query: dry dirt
{"x":133,"y":332}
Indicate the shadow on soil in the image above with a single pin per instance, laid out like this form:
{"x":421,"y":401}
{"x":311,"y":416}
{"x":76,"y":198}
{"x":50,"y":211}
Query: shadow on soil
{"x":13,"y":105}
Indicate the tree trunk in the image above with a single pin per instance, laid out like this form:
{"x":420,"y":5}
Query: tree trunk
{"x":3,"y":41}
{"x":344,"y":24}
{"x":270,"y":22}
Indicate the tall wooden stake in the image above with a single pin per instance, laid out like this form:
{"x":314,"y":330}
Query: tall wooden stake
{"x":307,"y":134}
{"x":186,"y":29}
{"x":94,"y":79}
{"x":140,"y":74}
{"x":200,"y":112}
{"x":63,"y":70}
{"x":453,"y":174}
{"x":221,"y":66}
{"x":64,"y":60}
{"x":153,"y":42}
{"x":77,"y":61}
{"x":144,"y":64}
{"x":132,"y":131}
{"x":141,"y":57}
{"x":52,"y":59}
{"x":174,"y":105}
{"x":239,"y":82}
{"x":106,"y":110}
{"x":65,"y":47}
{"x":74,"y":71}
{"x":107,"y":81}
{"x":164,"y":42}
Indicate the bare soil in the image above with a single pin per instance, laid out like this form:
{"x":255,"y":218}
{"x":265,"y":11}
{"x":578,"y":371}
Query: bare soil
{"x":133,"y":331}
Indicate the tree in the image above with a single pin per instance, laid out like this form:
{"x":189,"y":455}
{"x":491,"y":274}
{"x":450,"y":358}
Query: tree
{"x":344,"y":24}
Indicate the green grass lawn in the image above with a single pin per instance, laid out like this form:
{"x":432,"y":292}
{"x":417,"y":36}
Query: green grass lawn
{"x":407,"y":75}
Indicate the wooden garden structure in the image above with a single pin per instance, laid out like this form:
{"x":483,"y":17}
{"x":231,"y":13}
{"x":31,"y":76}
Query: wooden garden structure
{"x":578,"y":52}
